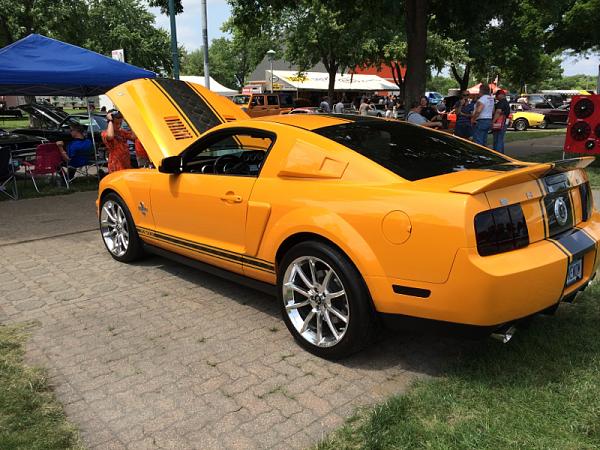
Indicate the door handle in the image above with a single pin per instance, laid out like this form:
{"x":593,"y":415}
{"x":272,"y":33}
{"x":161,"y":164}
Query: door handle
{"x":231,"y":197}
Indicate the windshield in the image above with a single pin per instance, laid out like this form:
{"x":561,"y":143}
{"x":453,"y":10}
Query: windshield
{"x":240,"y":99}
{"x":410,"y":151}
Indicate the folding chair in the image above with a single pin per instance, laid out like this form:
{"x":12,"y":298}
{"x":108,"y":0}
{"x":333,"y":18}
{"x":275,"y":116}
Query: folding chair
{"x":7,"y":174}
{"x":48,"y":161}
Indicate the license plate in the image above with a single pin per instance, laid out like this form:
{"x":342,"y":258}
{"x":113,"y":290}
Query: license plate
{"x":575,"y":271}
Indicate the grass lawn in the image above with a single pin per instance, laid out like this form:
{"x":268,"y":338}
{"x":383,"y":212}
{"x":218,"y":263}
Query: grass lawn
{"x":47,"y":188}
{"x":512,"y":136}
{"x":30,"y":415}
{"x":540,"y":391}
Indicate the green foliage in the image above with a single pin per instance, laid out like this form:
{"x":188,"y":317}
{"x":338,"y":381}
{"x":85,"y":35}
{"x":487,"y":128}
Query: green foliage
{"x":582,"y":82}
{"x":541,"y":391}
{"x":442,"y":84}
{"x":60,"y":19}
{"x":99,"y":25}
{"x":127,"y":24}
{"x":30,"y":416}
{"x":164,"y":6}
{"x":576,"y":26}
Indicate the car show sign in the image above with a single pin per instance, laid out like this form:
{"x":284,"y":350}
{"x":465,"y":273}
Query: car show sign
{"x":118,"y":54}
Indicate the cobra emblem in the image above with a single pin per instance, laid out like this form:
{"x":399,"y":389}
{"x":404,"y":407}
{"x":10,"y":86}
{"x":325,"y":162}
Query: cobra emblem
{"x":560,"y":211}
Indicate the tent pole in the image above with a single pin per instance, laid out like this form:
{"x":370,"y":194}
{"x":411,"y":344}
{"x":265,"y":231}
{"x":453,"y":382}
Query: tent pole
{"x":91,"y":130}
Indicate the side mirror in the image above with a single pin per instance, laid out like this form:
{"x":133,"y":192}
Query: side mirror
{"x":172,"y":164}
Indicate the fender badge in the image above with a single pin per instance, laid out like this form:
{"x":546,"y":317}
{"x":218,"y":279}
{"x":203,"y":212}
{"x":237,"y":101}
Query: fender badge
{"x":504,"y":201}
{"x":143,"y":208}
{"x":529,"y":194}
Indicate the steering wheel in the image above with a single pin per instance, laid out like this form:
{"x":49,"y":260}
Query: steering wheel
{"x":227,"y":162}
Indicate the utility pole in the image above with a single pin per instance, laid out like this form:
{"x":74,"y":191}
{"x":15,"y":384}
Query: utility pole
{"x":174,"y":52}
{"x":205,"y":45}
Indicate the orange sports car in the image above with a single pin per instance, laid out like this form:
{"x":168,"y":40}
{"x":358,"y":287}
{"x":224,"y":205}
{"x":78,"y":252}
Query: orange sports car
{"x":349,"y":219}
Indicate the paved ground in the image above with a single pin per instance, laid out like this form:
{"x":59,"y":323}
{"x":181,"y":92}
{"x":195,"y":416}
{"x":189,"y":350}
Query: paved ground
{"x":522,"y":149}
{"x":156,"y":355}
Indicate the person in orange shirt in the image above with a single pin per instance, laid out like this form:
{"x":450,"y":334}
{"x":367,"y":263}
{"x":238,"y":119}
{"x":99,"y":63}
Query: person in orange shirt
{"x":115,"y":139}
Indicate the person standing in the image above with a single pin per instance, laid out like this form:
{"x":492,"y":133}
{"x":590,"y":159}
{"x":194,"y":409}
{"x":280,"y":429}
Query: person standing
{"x":482,"y":116}
{"x":338,"y":108}
{"x":364,"y":107}
{"x":464,"y":111}
{"x":325,"y":105}
{"x":501,"y":113}
{"x":115,"y":139}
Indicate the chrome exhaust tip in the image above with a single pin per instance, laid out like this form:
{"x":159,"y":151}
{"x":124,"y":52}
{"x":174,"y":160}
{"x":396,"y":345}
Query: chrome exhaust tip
{"x":504,"y":334}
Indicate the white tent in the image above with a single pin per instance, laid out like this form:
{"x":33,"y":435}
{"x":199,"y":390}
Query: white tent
{"x":215,"y":86}
{"x":318,"y":81}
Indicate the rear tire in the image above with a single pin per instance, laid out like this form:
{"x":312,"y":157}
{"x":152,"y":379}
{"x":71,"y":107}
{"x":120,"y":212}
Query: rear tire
{"x":520,"y":125}
{"x":118,"y":230}
{"x":543,"y":125}
{"x":324,"y":301}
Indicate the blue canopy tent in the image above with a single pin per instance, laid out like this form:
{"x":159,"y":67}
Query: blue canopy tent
{"x":38,"y":65}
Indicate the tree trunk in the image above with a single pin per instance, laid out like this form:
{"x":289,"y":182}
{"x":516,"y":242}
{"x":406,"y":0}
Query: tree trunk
{"x":415,"y":13}
{"x":400,"y":82}
{"x":331,"y":85}
{"x":463,"y":81}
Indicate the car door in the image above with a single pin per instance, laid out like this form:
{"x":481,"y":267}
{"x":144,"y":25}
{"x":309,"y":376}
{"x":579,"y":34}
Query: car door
{"x":201,"y":212}
{"x":258,"y":107}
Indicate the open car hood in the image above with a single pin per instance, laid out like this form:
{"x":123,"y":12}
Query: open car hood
{"x":169,"y":115}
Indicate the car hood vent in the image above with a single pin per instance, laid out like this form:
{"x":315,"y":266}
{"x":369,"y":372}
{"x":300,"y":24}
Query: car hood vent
{"x":178,"y":128}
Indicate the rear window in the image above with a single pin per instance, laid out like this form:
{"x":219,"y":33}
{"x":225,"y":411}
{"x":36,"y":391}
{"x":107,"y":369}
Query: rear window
{"x":411,"y":152}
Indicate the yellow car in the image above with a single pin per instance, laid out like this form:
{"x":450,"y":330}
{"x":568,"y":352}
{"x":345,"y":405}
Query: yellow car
{"x":348,"y":218}
{"x":521,"y":120}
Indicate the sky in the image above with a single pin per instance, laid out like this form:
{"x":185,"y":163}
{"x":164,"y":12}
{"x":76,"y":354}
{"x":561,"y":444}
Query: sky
{"x":189,"y":32}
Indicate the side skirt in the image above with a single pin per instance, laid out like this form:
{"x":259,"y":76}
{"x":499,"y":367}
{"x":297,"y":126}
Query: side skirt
{"x":213,"y":270}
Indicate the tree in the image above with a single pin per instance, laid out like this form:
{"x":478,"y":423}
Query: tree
{"x":59,"y":19}
{"x":164,"y":6}
{"x":334,"y":32}
{"x":127,"y":24}
{"x":575,"y":27}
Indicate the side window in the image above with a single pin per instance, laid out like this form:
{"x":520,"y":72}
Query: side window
{"x":272,"y":100}
{"x":240,"y":154}
{"x":286,"y":100}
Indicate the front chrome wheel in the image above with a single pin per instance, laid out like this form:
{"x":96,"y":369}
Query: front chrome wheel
{"x":315,"y":301}
{"x":114,"y":228}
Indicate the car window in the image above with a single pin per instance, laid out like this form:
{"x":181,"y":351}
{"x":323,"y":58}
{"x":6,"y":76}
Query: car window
{"x":409,"y":151}
{"x":272,"y":100}
{"x":286,"y":100}
{"x":239,"y":153}
{"x":240,"y":99}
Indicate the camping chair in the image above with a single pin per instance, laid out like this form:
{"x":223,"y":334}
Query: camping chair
{"x":7,"y":174}
{"x":48,"y":161}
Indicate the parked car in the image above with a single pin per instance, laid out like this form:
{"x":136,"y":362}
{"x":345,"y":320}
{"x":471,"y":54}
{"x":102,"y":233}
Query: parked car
{"x":520,"y":120}
{"x":434,"y":97}
{"x":20,"y":145}
{"x":54,"y":123}
{"x":306,"y":110}
{"x":259,"y":105}
{"x":347,"y":218}
{"x":377,"y":111}
{"x":12,"y":113}
{"x":552,"y":115}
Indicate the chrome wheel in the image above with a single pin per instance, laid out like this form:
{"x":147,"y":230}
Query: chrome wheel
{"x":315,"y":301}
{"x":114,"y":228}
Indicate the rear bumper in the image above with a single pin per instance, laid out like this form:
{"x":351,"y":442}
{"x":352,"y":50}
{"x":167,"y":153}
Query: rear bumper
{"x":493,"y":290}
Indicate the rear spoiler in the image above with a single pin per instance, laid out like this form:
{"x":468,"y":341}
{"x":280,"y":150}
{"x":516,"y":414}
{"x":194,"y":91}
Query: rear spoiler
{"x":517,"y":176}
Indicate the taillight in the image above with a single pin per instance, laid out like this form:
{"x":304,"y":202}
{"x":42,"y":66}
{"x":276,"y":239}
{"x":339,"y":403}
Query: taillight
{"x":586,"y":201}
{"x":501,"y":230}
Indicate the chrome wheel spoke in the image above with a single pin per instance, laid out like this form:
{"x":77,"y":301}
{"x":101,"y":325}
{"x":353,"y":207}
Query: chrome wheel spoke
{"x":326,"y":280}
{"x":303,"y":277}
{"x":290,"y":306}
{"x":338,"y":314}
{"x":337,"y":294}
{"x":297,"y":289}
{"x":319,"y":328}
{"x":313,"y":272}
{"x":307,"y":322}
{"x":330,"y":325}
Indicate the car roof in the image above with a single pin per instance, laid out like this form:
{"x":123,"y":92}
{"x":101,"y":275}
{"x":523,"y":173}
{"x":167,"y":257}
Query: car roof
{"x":312,"y":121}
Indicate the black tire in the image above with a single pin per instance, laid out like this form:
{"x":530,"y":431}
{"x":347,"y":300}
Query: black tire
{"x":134,"y":248}
{"x":520,"y":125}
{"x":360,"y":326}
{"x":543,"y":124}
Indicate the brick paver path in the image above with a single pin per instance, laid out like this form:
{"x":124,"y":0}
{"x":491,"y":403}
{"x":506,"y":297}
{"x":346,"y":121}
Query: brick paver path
{"x":158,"y":355}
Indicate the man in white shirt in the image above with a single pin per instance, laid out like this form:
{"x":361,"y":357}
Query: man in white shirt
{"x":338,"y":108}
{"x":482,"y":116}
